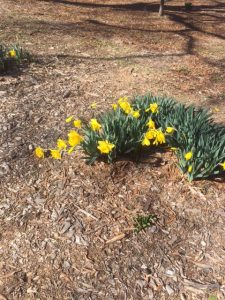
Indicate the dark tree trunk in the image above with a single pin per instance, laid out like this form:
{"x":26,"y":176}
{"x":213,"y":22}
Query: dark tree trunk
{"x":161,"y":8}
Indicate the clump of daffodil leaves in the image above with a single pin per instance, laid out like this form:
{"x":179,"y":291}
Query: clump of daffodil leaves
{"x":148,"y":121}
{"x":10,"y":56}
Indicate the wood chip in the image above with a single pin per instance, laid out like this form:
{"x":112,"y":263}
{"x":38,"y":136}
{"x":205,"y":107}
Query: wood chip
{"x":116,"y":238}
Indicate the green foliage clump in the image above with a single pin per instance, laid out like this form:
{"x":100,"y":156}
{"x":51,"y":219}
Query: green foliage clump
{"x":188,"y":5}
{"x":195,"y":132}
{"x":10,"y":57}
{"x":144,"y":222}
{"x":122,"y":130}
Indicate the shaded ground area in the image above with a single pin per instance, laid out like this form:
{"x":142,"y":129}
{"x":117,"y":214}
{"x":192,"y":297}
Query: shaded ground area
{"x":66,"y":229}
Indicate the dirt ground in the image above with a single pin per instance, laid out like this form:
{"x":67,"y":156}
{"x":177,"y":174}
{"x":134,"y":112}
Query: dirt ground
{"x":66,"y":229}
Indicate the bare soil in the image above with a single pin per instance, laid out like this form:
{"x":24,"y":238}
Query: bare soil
{"x":66,"y":229}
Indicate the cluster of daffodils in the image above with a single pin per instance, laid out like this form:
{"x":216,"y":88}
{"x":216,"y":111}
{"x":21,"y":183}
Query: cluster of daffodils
{"x":154,"y":136}
{"x":126,"y":129}
{"x":75,"y":139}
{"x":104,"y":146}
{"x":126,"y":107}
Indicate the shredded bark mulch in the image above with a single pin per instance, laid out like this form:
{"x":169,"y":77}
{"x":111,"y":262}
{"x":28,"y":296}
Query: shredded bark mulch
{"x":66,"y":228}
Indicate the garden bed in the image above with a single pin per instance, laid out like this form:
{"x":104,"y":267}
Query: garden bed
{"x":66,"y":227}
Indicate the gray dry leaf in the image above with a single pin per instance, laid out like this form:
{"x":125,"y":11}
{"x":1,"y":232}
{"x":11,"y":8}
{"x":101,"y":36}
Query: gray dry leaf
{"x":201,"y":286}
{"x":169,"y":290}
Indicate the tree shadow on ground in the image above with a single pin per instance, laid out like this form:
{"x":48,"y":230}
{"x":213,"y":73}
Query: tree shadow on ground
{"x":176,"y":13}
{"x":140,"y":6}
{"x":15,"y":71}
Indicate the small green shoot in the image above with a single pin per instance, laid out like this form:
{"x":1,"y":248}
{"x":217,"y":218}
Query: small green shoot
{"x":144,"y":222}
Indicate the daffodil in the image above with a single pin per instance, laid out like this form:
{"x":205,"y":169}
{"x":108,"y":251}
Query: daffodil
{"x":160,"y":138}
{"x":77,"y":123}
{"x":74,"y":138}
{"x":39,"y":152}
{"x":170,"y":129}
{"x":114,"y":106}
{"x":12,"y":53}
{"x":151,"y":134}
{"x":223,"y":165}
{"x":135,"y":114}
{"x":125,"y":106}
{"x":61,"y":144}
{"x":153,"y":107}
{"x":145,"y":142}
{"x":122,"y":99}
{"x":55,"y":154}
{"x":69,"y":119}
{"x":188,"y":155}
{"x":95,"y":126}
{"x":151,"y":124}
{"x":190,"y":168}
{"x":105,"y":146}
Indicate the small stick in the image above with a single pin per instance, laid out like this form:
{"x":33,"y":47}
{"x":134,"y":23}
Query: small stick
{"x":116,"y":238}
{"x":86,"y":213}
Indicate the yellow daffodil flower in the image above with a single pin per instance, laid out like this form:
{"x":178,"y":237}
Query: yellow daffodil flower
{"x":39,"y":152}
{"x":95,"y":126}
{"x":153,"y":107}
{"x":151,"y":124}
{"x":145,"y":142}
{"x":170,"y":129}
{"x":77,"y":123}
{"x":55,"y":154}
{"x":135,"y":114}
{"x":151,"y":134}
{"x":12,"y":53}
{"x":123,"y":99}
{"x":125,"y":106}
{"x":105,"y":147}
{"x":74,"y":138}
{"x":160,"y":138}
{"x":190,"y":168}
{"x":223,"y":165}
{"x":188,"y":155}
{"x":69,"y":119}
{"x":61,"y":144}
{"x":114,"y":106}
